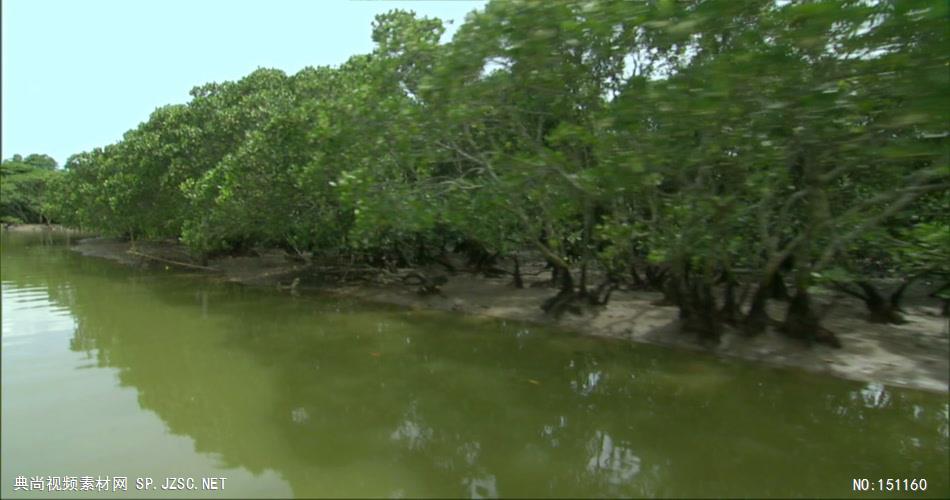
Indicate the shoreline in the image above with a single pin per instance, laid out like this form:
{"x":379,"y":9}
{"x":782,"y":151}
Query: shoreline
{"x":39,"y":228}
{"x":914,"y":355}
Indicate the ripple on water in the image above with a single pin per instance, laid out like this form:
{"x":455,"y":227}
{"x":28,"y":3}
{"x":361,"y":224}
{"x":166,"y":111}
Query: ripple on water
{"x":29,"y":311}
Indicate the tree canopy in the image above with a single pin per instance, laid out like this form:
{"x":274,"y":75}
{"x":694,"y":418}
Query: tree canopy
{"x":691,"y":146}
{"x":24,"y":187}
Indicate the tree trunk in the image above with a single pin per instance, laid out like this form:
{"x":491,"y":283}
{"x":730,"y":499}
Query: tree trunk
{"x":661,"y":281}
{"x":601,"y":295}
{"x":882,"y":311}
{"x":555,"y":274}
{"x":637,"y":281}
{"x":757,"y":319}
{"x":567,"y":281}
{"x":778,"y":290}
{"x":941,"y":293}
{"x":518,"y":282}
{"x":566,"y":296}
{"x":656,"y":276}
{"x":802,"y":322}
{"x":422,"y":256}
{"x":585,"y":245}
{"x":699,"y":314}
{"x":582,"y":287}
{"x":673,"y":294}
{"x":443,"y":259}
{"x":730,"y":308}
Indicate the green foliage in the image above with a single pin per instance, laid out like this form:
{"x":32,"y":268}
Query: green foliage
{"x":25,"y":185}
{"x":700,"y":135}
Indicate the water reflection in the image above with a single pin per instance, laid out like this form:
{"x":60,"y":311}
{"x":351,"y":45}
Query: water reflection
{"x":874,"y":395}
{"x":615,"y":464}
{"x":469,"y":451}
{"x":944,"y":428}
{"x":550,"y":432}
{"x":413,"y":433}
{"x":588,"y":385}
{"x":482,"y":487}
{"x":300,"y":415}
{"x":341,"y":399}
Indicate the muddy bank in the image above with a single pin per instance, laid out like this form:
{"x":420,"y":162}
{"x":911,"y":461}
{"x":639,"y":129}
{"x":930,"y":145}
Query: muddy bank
{"x":915,"y":354}
{"x":38,"y":228}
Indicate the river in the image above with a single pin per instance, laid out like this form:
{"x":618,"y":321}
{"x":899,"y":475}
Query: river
{"x":113,"y":372}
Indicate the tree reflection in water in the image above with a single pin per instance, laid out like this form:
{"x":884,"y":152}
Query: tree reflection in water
{"x":342,"y":399}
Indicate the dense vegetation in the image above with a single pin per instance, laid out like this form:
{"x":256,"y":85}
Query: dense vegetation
{"x":24,"y":187}
{"x":701,"y":148}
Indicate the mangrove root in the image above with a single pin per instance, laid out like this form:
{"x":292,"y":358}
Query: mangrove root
{"x":169,"y":261}
{"x":802,"y":322}
{"x":881,"y":310}
{"x":427,"y":285}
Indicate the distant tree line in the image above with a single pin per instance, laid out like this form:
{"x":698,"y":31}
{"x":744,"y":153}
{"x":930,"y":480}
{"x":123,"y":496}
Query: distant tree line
{"x":24,"y":189}
{"x":724,"y":152}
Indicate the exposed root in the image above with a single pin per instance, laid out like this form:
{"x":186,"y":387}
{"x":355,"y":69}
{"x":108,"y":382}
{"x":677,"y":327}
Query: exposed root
{"x":565,"y":300}
{"x":172,"y":262}
{"x":801,"y":322}
{"x":427,"y":285}
{"x":880,"y":310}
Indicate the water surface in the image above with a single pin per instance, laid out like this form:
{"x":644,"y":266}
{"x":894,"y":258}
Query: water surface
{"x":113,"y":371}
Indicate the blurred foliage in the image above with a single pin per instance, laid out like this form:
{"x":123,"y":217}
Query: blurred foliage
{"x":699,"y":135}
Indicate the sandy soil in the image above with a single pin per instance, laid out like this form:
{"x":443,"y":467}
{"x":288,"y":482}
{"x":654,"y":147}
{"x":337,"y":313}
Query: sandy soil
{"x":915,"y":355}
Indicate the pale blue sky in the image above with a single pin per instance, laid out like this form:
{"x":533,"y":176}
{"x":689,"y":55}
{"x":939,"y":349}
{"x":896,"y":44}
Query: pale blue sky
{"x":78,"y":73}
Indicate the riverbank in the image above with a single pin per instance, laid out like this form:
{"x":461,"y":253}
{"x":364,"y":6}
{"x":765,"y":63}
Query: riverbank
{"x":38,"y":228}
{"x":914,"y":355}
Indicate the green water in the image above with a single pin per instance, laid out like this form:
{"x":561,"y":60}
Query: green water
{"x":147,"y":373}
